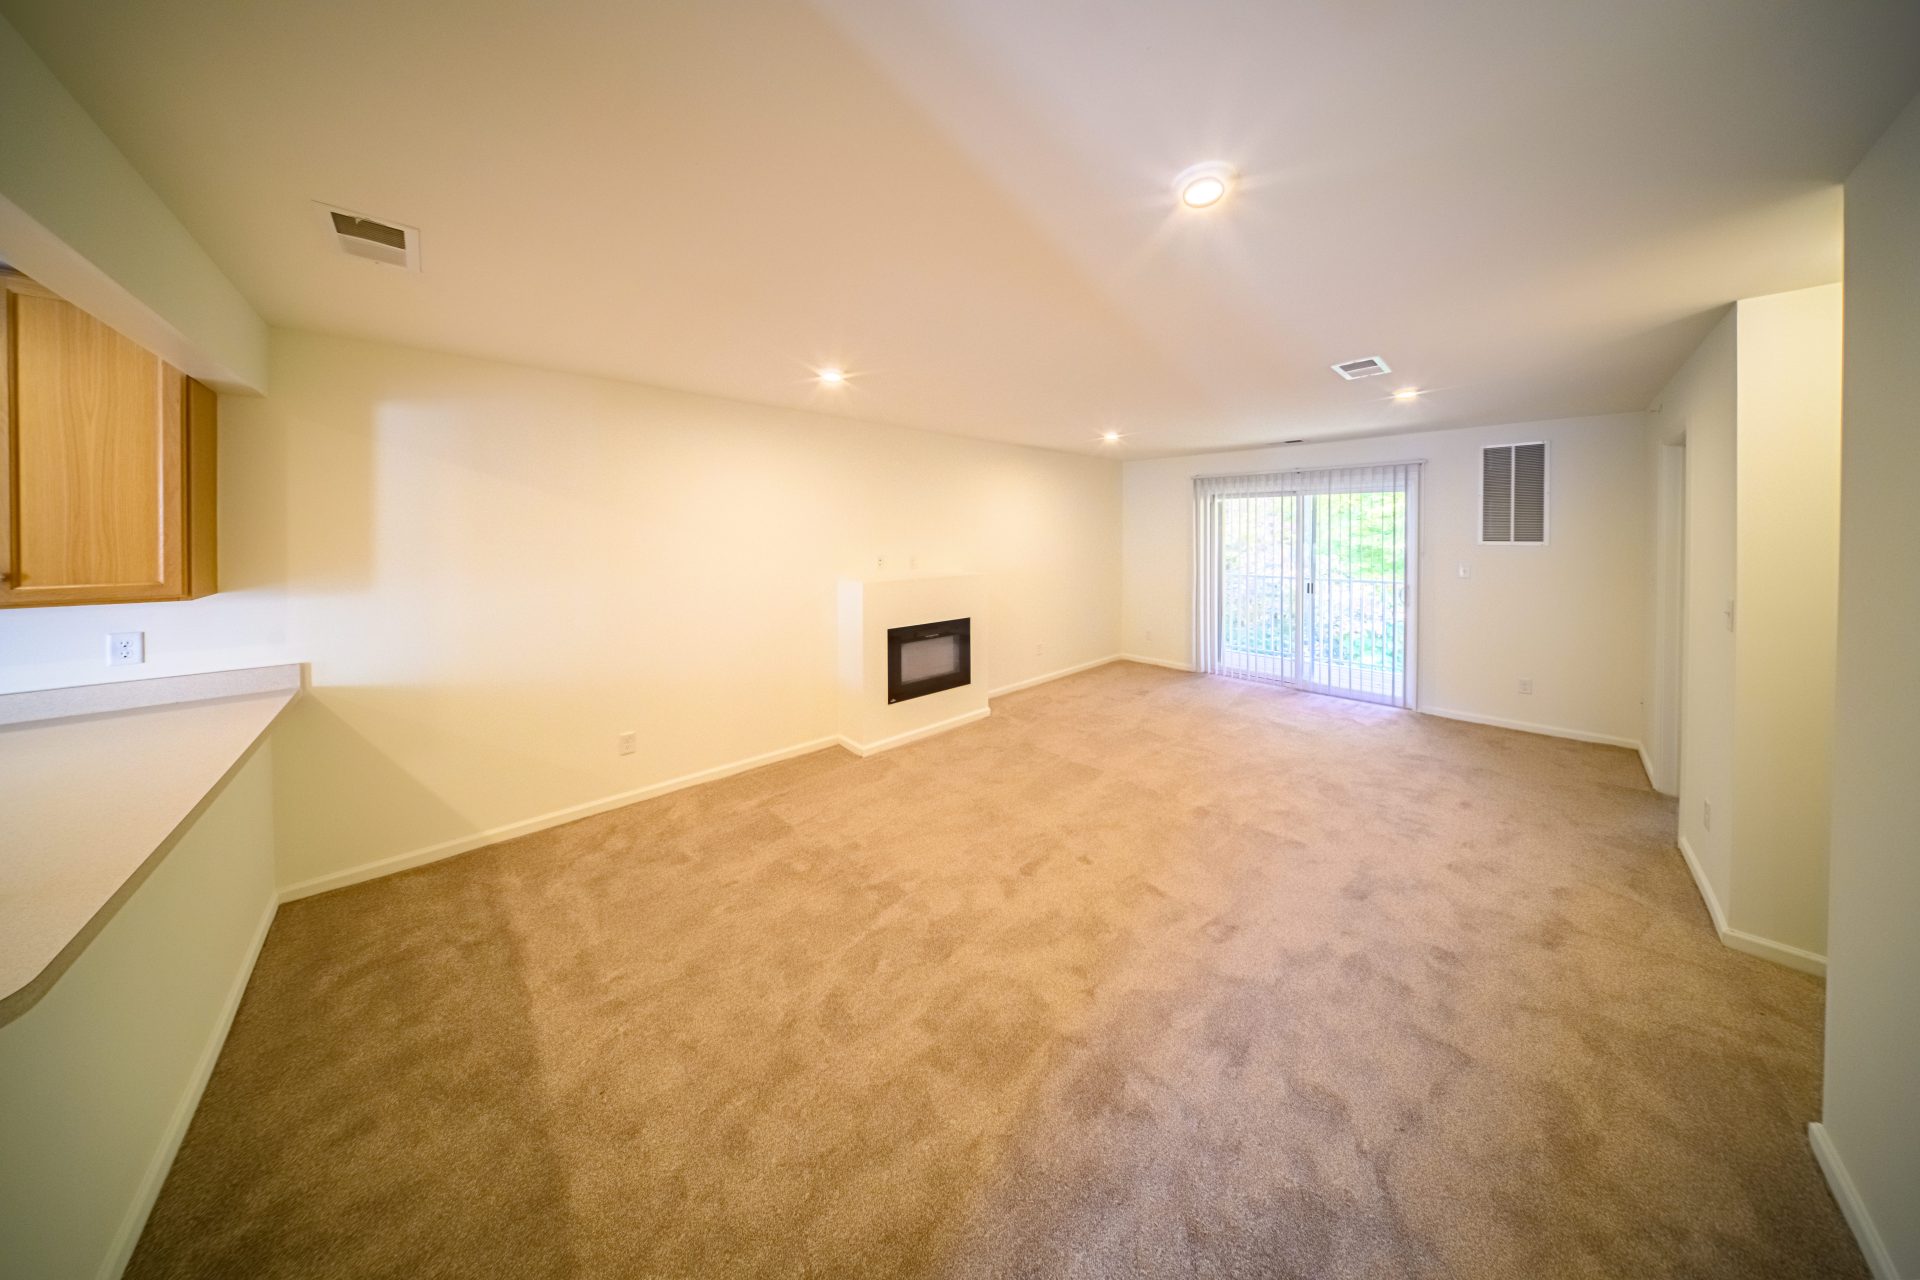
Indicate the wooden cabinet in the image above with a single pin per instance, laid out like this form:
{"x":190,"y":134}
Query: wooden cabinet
{"x":106,"y":462}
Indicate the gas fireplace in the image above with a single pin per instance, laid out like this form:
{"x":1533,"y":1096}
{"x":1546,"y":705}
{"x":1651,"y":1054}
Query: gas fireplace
{"x":928,"y":658}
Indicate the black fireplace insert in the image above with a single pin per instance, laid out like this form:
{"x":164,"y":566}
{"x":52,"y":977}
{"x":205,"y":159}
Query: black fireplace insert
{"x":928,"y":658}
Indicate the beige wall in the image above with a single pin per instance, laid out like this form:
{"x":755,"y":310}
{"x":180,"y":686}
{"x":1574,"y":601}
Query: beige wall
{"x":1757,"y":407}
{"x":99,"y":1079}
{"x":1786,"y":583}
{"x":1569,"y":615}
{"x":494,"y":571}
{"x":1871,"y":1116}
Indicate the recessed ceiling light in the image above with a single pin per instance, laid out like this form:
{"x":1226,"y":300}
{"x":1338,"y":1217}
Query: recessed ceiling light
{"x":1109,"y":437}
{"x":832,"y":377}
{"x":1406,"y":394}
{"x":1204,"y":185}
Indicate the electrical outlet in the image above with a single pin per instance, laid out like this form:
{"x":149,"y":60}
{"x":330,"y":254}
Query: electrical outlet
{"x":626,"y":743}
{"x":126,"y":648}
{"x":1039,"y":650}
{"x":1526,"y":684}
{"x":1466,"y":570}
{"x":1149,"y":633}
{"x":1706,"y":814}
{"x":880,"y":563}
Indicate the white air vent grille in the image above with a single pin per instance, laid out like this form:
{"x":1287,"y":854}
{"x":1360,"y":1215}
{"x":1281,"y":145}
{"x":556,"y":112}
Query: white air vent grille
{"x":1513,"y":493}
{"x":391,"y":243}
{"x":1370,"y":367}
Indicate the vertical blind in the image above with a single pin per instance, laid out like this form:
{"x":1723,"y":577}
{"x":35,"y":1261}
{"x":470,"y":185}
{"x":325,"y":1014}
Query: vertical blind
{"x":1310,"y":578}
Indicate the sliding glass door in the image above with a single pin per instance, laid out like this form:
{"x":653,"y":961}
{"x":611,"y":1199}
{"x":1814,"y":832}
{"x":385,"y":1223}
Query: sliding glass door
{"x":1261,"y":604}
{"x":1307,"y":578}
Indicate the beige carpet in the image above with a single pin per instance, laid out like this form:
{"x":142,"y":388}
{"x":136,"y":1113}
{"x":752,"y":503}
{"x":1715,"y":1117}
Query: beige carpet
{"x":1146,"y":975}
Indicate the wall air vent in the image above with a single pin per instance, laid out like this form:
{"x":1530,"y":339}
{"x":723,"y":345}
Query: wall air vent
{"x":1370,"y":367}
{"x":1513,"y":493}
{"x":385,"y":242}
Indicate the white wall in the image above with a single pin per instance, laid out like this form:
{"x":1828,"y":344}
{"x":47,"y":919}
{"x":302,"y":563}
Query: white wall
{"x":1786,"y":586}
{"x":1697,"y":406}
{"x":1570,"y":615}
{"x":1871,"y":1116}
{"x":99,"y":1079}
{"x":495,"y":570}
{"x":76,"y":216}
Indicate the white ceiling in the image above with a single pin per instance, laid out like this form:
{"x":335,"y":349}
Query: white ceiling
{"x":1530,"y":207}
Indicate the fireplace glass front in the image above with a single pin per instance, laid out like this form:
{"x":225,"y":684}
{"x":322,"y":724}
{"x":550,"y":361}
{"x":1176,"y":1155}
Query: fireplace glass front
{"x":928,"y":658}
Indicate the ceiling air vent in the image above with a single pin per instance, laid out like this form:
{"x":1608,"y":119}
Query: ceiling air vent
{"x":1367,"y":368}
{"x":387,"y":242}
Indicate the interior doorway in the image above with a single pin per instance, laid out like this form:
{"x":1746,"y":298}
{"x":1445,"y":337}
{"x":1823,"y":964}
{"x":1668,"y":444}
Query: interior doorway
{"x":1666,"y":687}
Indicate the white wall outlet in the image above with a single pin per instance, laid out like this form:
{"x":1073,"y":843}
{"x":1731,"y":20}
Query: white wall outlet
{"x":1149,"y":633}
{"x":626,"y":743}
{"x":1706,"y":814}
{"x":1526,"y":684}
{"x":1039,"y":650}
{"x":1466,"y":570}
{"x":879,"y":563}
{"x":126,"y":648}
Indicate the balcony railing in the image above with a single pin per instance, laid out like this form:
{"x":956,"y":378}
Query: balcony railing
{"x":1357,"y":622}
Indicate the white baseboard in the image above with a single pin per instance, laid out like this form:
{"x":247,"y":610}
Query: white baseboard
{"x":527,"y":826}
{"x":1738,"y":939}
{"x":902,"y":739}
{"x":1168,"y":663}
{"x":1879,"y":1258}
{"x":155,"y":1177}
{"x":1778,"y":952}
{"x":1705,"y":887}
{"x":1524,"y":726}
{"x":1075,"y":670}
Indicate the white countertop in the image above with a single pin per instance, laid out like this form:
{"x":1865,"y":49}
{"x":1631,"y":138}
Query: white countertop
{"x":95,"y":783}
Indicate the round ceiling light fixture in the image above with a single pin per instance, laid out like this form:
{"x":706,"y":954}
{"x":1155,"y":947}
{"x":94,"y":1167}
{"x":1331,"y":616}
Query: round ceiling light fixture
{"x":1406,"y":395}
{"x":1204,"y":185}
{"x":1109,"y":437}
{"x":832,"y":376}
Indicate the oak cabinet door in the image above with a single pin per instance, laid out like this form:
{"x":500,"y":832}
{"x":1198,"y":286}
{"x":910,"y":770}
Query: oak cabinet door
{"x":103,"y":444}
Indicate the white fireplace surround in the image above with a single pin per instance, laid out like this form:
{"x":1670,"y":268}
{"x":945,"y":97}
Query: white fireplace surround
{"x":868,"y":608}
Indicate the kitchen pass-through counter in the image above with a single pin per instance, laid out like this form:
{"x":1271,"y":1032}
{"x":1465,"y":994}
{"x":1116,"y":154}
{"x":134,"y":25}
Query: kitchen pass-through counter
{"x":96,"y":783}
